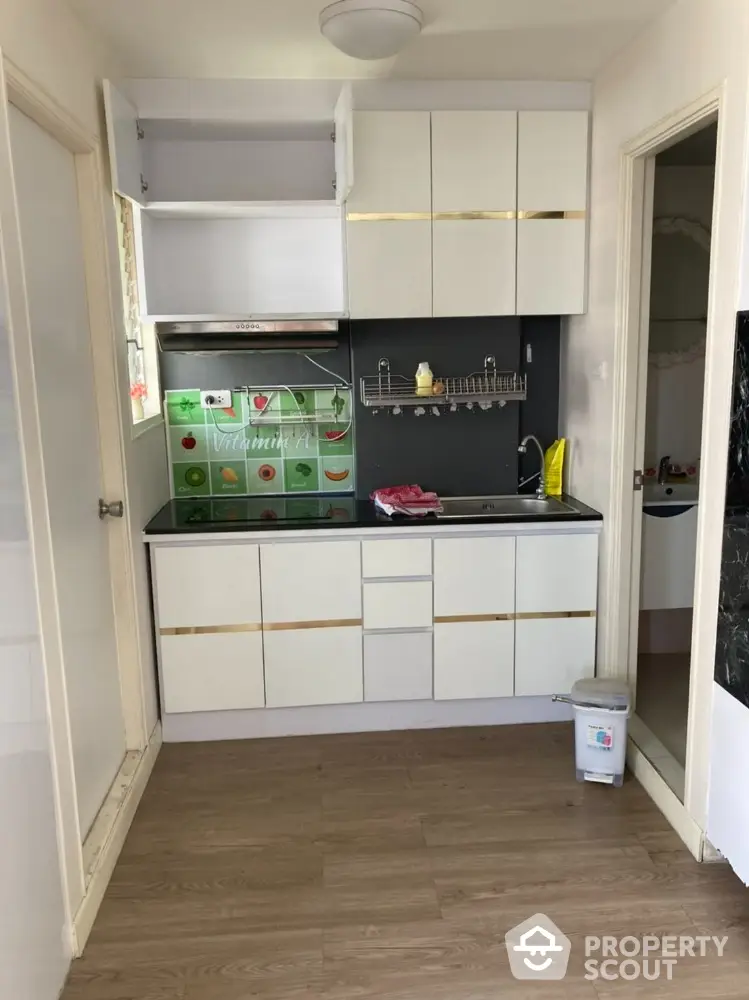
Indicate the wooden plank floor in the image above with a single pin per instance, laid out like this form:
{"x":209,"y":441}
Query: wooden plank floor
{"x":390,"y":866}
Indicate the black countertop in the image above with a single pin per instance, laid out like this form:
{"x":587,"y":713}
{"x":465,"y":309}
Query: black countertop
{"x":198,"y":516}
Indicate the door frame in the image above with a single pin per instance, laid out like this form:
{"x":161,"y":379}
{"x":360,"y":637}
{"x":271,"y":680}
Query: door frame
{"x":622,"y":566}
{"x":81,"y":891}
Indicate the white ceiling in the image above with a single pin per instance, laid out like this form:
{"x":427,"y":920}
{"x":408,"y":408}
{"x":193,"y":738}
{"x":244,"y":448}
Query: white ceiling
{"x":462,"y":39}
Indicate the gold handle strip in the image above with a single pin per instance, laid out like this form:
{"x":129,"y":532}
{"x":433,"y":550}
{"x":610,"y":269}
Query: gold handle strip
{"x":211,"y":629}
{"x":455,"y":216}
{"x":533,"y":615}
{"x":389,"y":217}
{"x":523,"y":616}
{"x":454,"y":619}
{"x":530,"y":216}
{"x":330,"y":623}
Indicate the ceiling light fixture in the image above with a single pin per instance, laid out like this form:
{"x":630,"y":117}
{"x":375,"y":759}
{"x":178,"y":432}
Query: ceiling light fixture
{"x":371,"y":29}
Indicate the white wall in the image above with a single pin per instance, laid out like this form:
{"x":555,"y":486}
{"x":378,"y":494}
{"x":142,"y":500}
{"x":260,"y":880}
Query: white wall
{"x":33,"y":954}
{"x":698,"y":45}
{"x":679,"y":288}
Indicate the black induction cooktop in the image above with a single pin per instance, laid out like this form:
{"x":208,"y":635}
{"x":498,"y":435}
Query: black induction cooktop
{"x":212,"y":513}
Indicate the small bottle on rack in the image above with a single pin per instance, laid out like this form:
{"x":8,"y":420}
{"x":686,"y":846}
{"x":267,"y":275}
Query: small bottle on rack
{"x":424,"y":379}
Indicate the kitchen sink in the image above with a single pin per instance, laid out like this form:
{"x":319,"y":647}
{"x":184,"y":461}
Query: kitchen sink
{"x":455,"y":508}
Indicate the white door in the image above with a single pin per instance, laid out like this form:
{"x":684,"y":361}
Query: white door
{"x":47,"y":197}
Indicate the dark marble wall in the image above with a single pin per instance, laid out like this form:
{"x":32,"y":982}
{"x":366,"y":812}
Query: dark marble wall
{"x":732,"y":650}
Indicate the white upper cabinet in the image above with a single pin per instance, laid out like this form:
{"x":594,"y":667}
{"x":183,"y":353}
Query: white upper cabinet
{"x":389,"y":230}
{"x":392,"y":163}
{"x":344,"y":145}
{"x":552,"y":204}
{"x":474,"y":194}
{"x":125,"y":145}
{"x":474,"y":161}
{"x":241,"y":218}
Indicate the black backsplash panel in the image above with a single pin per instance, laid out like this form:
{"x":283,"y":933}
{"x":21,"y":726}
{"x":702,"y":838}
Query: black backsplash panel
{"x":539,"y":414}
{"x":187,"y":371}
{"x":469,"y":452}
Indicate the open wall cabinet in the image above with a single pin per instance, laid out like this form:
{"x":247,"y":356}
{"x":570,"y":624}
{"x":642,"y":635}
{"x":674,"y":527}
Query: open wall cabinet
{"x":237,"y":218}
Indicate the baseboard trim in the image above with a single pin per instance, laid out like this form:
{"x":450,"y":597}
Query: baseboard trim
{"x":667,"y":801}
{"x":109,"y":837}
{"x":360,"y":718}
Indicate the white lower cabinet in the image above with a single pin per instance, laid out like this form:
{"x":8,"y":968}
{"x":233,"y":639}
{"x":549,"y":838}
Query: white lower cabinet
{"x":473,"y":660}
{"x":398,"y":666}
{"x":446,"y":616}
{"x":212,"y":673}
{"x":552,"y":653}
{"x":555,"y":631}
{"x":313,"y":666}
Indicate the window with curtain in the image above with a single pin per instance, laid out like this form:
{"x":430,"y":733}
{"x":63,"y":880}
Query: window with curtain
{"x":141,"y":337}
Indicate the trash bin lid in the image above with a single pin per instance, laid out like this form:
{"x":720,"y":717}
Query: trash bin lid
{"x":604,"y":691}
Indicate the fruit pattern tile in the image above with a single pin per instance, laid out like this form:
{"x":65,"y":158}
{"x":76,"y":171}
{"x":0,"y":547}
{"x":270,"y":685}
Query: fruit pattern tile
{"x":259,"y":445}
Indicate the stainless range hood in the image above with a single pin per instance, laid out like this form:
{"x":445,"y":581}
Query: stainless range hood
{"x":303,"y":336}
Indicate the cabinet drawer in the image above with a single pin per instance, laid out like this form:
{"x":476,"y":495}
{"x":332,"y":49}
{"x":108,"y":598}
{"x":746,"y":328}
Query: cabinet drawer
{"x":311,"y":582}
{"x":473,"y":660}
{"x":398,"y":605}
{"x":207,"y":585}
{"x":318,"y":666}
{"x":212,"y":673}
{"x":411,"y":557}
{"x":552,"y":653}
{"x":556,"y":573}
{"x":398,"y":667}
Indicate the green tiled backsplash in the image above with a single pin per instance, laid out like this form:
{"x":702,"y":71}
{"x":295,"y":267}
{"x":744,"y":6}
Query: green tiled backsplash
{"x":260,"y":446}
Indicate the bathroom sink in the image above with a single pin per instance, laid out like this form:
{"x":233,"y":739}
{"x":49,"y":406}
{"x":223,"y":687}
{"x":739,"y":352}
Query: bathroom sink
{"x":657,"y":495}
{"x":455,"y":508}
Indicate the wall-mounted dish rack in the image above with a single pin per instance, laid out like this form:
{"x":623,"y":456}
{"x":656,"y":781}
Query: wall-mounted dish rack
{"x":483,"y":389}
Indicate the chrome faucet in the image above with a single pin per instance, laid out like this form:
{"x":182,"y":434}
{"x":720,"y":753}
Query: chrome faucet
{"x":663,"y":467}
{"x":523,"y":450}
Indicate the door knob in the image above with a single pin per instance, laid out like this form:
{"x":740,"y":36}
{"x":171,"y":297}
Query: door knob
{"x":114,"y":509}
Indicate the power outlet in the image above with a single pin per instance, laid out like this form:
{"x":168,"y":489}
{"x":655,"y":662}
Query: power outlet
{"x":215,"y":399}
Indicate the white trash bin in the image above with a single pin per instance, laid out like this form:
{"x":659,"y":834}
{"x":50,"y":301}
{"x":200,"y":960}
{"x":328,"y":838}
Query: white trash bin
{"x":601,"y":712}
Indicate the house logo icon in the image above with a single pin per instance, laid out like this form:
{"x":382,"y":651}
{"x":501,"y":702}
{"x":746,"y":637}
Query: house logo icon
{"x":537,"y":949}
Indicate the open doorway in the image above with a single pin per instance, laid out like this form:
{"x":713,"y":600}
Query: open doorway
{"x":679,"y":203}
